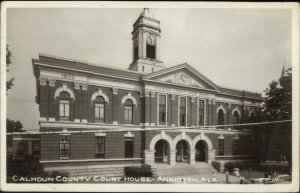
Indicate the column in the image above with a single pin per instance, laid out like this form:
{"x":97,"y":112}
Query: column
{"x":214,"y":112}
{"x":192,"y":157}
{"x":78,"y":102}
{"x":154,"y":109}
{"x":174,"y":111}
{"x":116,"y":104}
{"x":43,"y":99}
{"x":51,"y":97}
{"x":211,"y":155}
{"x":173,"y":157}
{"x":147,"y":109}
{"x":85,"y":104}
{"x":149,"y":157}
{"x":194,"y":111}
{"x":29,"y":147}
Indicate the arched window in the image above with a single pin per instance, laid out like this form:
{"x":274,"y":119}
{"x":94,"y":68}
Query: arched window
{"x":220,"y":117}
{"x":99,"y":109}
{"x":236,"y":118}
{"x":128,"y":111}
{"x":64,"y":105}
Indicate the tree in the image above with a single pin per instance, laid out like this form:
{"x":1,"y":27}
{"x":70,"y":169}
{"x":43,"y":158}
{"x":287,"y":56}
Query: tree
{"x":278,"y":106}
{"x":9,"y":83}
{"x":278,"y":103}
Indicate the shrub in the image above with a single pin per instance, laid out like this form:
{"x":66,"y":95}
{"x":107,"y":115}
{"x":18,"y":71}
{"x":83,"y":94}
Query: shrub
{"x":138,"y":172}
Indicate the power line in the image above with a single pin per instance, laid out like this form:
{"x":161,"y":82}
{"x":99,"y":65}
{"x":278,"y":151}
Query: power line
{"x":144,"y":129}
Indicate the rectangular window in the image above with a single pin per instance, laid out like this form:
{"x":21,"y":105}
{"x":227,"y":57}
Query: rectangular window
{"x":182,"y":115}
{"x":128,"y":147}
{"x":201,"y":113}
{"x":162,"y":109}
{"x":150,"y":51}
{"x":221,"y":147}
{"x":100,"y":147}
{"x":64,"y":109}
{"x":36,"y":148}
{"x":128,"y":114}
{"x":64,"y":147}
{"x":99,"y":112}
{"x":236,"y":146}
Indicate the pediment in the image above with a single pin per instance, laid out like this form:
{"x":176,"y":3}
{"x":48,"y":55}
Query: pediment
{"x":183,"y":75}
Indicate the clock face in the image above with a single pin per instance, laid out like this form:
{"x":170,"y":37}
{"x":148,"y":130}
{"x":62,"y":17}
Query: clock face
{"x":151,"y":40}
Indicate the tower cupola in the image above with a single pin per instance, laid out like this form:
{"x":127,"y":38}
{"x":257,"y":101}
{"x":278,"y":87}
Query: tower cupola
{"x":145,"y":43}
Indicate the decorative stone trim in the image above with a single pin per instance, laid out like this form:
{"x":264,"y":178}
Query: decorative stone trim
{"x":237,"y":110}
{"x":173,"y":97}
{"x":192,"y":99}
{"x":51,"y":82}
{"x":76,"y":85}
{"x":43,"y":82}
{"x":84,"y":86}
{"x":65,"y":130}
{"x":152,"y":94}
{"x":115,"y":123}
{"x":236,"y":137}
{"x":221,"y":107}
{"x":76,"y":120}
{"x":147,"y":93}
{"x":229,"y":105}
{"x":84,"y":121}
{"x":51,"y":119}
{"x":43,"y":119}
{"x":129,"y":96}
{"x":115,"y":90}
{"x":100,"y":134}
{"x":102,"y":94}
{"x":128,"y":134}
{"x":221,"y":136}
{"x":64,"y":88}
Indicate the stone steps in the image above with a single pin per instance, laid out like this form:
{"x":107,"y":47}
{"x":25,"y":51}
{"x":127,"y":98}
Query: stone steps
{"x":180,"y":169}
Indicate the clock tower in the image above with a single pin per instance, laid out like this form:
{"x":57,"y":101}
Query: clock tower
{"x":145,"y":44}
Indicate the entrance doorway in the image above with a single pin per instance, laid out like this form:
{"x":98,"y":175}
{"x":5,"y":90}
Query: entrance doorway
{"x":162,"y":150}
{"x":182,"y":151}
{"x":201,"y":151}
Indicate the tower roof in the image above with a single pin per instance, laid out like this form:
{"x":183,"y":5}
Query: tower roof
{"x":147,"y":13}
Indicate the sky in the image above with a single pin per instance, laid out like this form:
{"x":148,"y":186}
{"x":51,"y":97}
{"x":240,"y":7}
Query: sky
{"x":237,"y":48}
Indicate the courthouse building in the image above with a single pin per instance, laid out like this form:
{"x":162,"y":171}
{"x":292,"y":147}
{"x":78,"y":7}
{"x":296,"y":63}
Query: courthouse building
{"x":147,"y":114}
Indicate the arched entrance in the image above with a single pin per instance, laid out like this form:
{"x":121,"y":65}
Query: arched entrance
{"x":162,"y":150}
{"x":201,"y":151}
{"x":182,"y":151}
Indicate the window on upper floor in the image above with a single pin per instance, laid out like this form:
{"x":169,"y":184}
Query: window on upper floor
{"x":136,"y":52}
{"x":182,"y":112}
{"x":236,"y":117}
{"x":128,"y":111}
{"x":99,"y":109}
{"x":201,"y":112}
{"x":64,"y":105}
{"x":162,"y":109}
{"x":220,"y":117}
